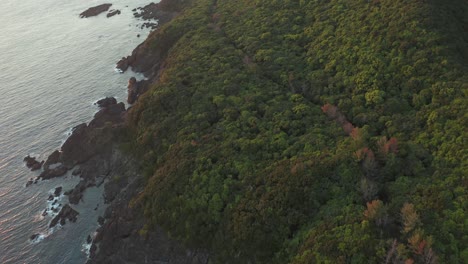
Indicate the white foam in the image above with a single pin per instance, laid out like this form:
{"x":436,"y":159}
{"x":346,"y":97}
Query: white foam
{"x":41,"y":236}
{"x":55,"y":203}
{"x":68,"y":132}
{"x":38,"y":239}
{"x":86,"y":248}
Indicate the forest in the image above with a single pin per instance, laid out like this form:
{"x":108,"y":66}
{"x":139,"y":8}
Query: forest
{"x":309,"y":131}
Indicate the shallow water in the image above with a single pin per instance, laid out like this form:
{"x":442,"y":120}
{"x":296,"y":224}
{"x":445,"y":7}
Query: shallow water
{"x":53,"y":66}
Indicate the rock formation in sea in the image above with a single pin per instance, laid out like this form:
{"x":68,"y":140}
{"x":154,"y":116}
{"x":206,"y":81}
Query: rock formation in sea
{"x":96,"y":10}
{"x":32,"y":163}
{"x":113,"y":13}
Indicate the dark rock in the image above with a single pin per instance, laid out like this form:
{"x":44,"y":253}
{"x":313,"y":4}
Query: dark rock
{"x":89,"y":239}
{"x":113,"y":114}
{"x":51,"y":198}
{"x":151,"y":25}
{"x":132,"y":89}
{"x":52,"y":159}
{"x":29,"y":182}
{"x":66,"y":213}
{"x":57,"y":191}
{"x":122,"y":64}
{"x":54,"y":203}
{"x":32,"y":237}
{"x":105,"y":102}
{"x":135,"y":89}
{"x":96,"y":10}
{"x":44,"y":213}
{"x":76,"y":194}
{"x":160,"y":11}
{"x":113,"y":13}
{"x":32,"y":163}
{"x":76,"y":148}
{"x":37,"y":166}
{"x":92,"y":250}
{"x":101,"y":220}
{"x":145,"y":58}
{"x":76,"y":171}
{"x":75,"y":197}
{"x":108,"y":212}
{"x":53,"y":173}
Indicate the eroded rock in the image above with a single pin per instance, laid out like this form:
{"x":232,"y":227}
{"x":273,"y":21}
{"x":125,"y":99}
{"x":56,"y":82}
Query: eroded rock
{"x":67,"y":213}
{"x":32,"y":163}
{"x":105,"y":102}
{"x":53,"y":173}
{"x":94,"y":11}
{"x":113,"y":13}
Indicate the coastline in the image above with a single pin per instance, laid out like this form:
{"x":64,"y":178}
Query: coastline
{"x":93,"y":153}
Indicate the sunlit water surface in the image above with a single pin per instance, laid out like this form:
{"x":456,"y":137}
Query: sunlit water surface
{"x":53,"y":66}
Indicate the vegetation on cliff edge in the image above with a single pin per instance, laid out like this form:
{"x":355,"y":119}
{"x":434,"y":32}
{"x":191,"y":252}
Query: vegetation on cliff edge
{"x":300,"y":131}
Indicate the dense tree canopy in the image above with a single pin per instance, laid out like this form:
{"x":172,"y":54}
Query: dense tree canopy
{"x":310,"y":131}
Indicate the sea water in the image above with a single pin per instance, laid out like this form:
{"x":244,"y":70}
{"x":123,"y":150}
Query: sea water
{"x":53,"y":67}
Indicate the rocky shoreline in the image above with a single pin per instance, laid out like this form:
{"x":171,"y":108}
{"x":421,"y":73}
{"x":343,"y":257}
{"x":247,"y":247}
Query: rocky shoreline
{"x":93,"y":153}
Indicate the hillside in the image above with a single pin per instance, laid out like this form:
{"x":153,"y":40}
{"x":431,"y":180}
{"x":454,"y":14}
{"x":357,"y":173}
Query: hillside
{"x":309,"y":131}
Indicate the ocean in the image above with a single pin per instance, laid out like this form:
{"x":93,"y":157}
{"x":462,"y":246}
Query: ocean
{"x":53,"y":67}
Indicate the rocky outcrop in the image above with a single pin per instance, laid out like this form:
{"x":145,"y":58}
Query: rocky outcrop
{"x":52,"y":159}
{"x":146,"y":58}
{"x":67,"y":213}
{"x":135,"y":89}
{"x":88,"y":145}
{"x":119,"y":239}
{"x":161,"y":11}
{"x":105,"y":102}
{"x":85,"y":140}
{"x":53,"y":173}
{"x":112,"y":114}
{"x":96,"y":10}
{"x":113,"y":13}
{"x":32,"y":163}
